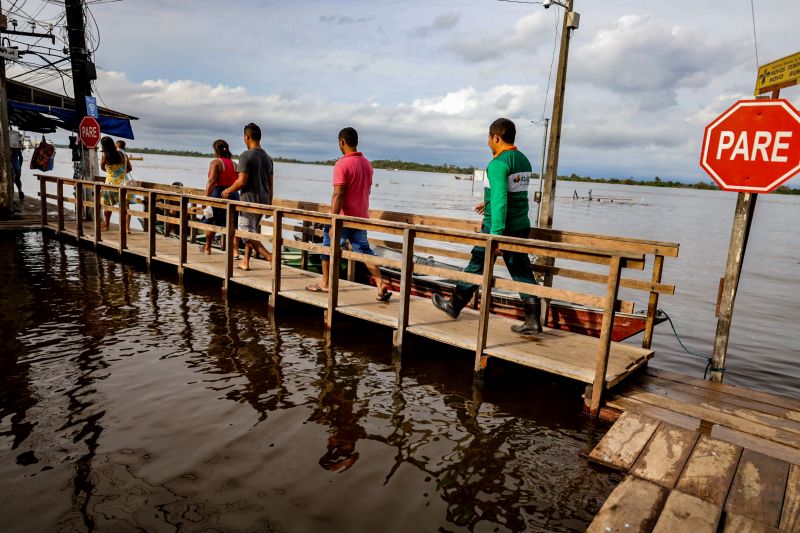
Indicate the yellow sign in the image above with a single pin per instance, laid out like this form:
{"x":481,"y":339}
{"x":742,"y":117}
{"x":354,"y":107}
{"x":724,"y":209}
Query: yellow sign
{"x":778,"y":74}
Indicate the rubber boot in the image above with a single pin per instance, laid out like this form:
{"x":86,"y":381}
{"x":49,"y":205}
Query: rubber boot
{"x":453,"y":306}
{"x":532,"y":325}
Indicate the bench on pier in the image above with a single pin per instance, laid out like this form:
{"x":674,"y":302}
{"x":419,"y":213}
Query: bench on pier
{"x":599,"y":265}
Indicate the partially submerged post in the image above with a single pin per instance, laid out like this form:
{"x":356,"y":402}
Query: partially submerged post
{"x":753,"y":147}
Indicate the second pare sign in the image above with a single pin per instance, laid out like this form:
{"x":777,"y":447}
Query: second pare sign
{"x":754,"y":146}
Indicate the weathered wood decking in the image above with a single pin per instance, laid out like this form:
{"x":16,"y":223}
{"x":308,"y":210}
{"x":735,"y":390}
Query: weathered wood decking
{"x":700,"y":456}
{"x":555,"y":351}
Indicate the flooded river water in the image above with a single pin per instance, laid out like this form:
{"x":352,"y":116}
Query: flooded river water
{"x":128,"y":401}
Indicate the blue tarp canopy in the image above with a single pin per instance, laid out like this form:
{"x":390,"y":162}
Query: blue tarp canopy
{"x":31,"y":117}
{"x":41,"y":111}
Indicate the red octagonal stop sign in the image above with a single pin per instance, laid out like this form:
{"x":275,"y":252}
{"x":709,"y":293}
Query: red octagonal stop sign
{"x":754,"y":146}
{"x":89,"y":132}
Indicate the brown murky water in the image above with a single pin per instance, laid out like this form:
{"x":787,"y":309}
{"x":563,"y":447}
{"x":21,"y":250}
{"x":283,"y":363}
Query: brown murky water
{"x":129,"y":402}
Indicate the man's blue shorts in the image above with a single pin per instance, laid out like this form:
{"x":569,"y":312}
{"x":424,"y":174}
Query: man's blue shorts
{"x":357,"y":237}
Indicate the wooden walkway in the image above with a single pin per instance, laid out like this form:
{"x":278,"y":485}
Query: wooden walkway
{"x":601,"y":263}
{"x":700,"y":456}
{"x":554,"y":351}
{"x":27,"y":215}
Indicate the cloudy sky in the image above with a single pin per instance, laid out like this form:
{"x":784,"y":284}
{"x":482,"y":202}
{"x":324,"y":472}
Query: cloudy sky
{"x":422,"y":80}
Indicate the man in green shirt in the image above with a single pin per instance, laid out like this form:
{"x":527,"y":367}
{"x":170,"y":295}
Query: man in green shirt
{"x":505,"y":212}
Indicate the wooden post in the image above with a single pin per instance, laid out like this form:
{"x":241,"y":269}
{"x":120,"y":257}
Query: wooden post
{"x":98,"y":212}
{"x":60,"y":204}
{"x":79,"y":209}
{"x":652,"y":304}
{"x":123,"y":219}
{"x":184,"y":233}
{"x":606,"y":330}
{"x":152,"y":217}
{"x":486,"y":299}
{"x":307,"y":226}
{"x":277,"y":249}
{"x":43,"y":198}
{"x":230,"y":231}
{"x":548,"y":199}
{"x":406,"y":281}
{"x":333,"y":279}
{"x":351,"y":270}
{"x":742,"y":220}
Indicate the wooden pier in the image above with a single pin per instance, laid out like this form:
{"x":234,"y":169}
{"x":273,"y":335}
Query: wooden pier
{"x":697,"y":456}
{"x":593,"y":260}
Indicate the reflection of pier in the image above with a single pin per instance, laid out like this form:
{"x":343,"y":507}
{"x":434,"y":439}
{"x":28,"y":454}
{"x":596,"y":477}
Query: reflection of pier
{"x":602,"y":261}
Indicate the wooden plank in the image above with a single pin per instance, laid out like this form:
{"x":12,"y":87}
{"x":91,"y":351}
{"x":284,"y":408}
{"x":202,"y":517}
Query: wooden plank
{"x":151,"y":227}
{"x":748,"y":410}
{"x":543,"y":291}
{"x":740,"y":438}
{"x":683,"y":512}
{"x":758,"y":488}
{"x":60,"y":204}
{"x":727,"y":389}
{"x":739,"y":524}
{"x":716,"y":416}
{"x":230,"y":248}
{"x":632,"y":507}
{"x":123,"y":214}
{"x":709,"y":471}
{"x":710,"y":394}
{"x":606,"y":330}
{"x":406,"y":281}
{"x":43,"y":199}
{"x":483,"y":320}
{"x":652,"y":302}
{"x":277,"y":251}
{"x":98,"y":213}
{"x":664,"y":457}
{"x":79,"y":207}
{"x":333,"y":277}
{"x":183,"y":233}
{"x":621,"y":446}
{"x":790,"y":516}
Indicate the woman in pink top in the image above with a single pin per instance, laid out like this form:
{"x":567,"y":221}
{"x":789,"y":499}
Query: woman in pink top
{"x":221,"y":174}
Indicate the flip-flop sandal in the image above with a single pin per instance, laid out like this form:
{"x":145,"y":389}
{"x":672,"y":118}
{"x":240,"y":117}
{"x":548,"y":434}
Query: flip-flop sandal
{"x":203,"y":249}
{"x":240,"y":267}
{"x":384,"y":297}
{"x":315,"y":288}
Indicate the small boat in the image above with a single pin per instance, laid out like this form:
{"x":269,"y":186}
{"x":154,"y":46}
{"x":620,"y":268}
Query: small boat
{"x":565,"y":316}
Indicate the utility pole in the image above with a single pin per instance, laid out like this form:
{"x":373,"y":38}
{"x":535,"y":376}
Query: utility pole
{"x":541,"y":172}
{"x":6,"y":183}
{"x":83,"y":72}
{"x":571,"y":21}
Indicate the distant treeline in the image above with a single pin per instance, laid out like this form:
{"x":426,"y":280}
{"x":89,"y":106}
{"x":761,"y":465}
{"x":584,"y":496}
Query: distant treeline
{"x":658,"y":182}
{"x":389,"y":164}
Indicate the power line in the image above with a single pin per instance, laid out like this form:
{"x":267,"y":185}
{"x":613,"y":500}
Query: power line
{"x":755,"y":38}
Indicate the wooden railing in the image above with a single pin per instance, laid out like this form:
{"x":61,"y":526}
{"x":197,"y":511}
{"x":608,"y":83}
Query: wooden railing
{"x":611,"y":255}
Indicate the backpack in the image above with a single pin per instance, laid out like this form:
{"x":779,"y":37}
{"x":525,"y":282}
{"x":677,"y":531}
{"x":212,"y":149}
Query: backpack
{"x":43,"y":157}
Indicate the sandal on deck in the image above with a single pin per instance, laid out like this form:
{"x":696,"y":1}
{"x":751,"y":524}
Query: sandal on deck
{"x":203,"y":249}
{"x":385,"y":296}
{"x":315,"y":288}
{"x":240,"y":267}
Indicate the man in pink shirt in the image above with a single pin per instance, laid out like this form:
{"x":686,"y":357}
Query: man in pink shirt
{"x":352,"y":182}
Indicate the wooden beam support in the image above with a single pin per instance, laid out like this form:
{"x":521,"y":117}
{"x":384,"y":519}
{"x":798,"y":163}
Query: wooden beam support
{"x":79,"y":209}
{"x":60,"y":204}
{"x":183,"y":233}
{"x":98,"y":211}
{"x":606,"y":329}
{"x":333,"y":279}
{"x":406,"y":281}
{"x":277,"y":250}
{"x":152,"y":214}
{"x":43,"y":199}
{"x":652,"y":304}
{"x":123,"y":220}
{"x":483,"y":322}
{"x":230,"y":249}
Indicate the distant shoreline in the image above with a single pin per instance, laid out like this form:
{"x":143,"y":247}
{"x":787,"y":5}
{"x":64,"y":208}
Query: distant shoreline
{"x":387,"y":164}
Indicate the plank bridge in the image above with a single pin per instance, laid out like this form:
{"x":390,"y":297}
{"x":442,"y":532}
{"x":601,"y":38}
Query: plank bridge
{"x":600,"y":264}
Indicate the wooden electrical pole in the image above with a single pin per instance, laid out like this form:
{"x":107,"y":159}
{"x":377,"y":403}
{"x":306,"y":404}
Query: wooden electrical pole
{"x":6,"y":182}
{"x":551,"y":172}
{"x":83,"y":72}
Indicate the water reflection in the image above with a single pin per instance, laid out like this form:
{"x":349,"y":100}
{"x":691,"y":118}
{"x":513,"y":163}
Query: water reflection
{"x":166,"y":407}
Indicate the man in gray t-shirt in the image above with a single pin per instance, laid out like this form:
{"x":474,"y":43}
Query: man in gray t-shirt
{"x":255,"y":183}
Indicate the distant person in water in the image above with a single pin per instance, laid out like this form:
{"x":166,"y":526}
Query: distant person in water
{"x":352,"y":183}
{"x":505,"y":212}
{"x":255,"y":181}
{"x":221,"y":175}
{"x":117,"y":166}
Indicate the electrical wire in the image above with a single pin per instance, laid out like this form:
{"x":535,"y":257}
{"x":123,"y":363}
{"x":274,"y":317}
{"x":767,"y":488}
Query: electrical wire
{"x":755,"y":38}
{"x":688,"y":351}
